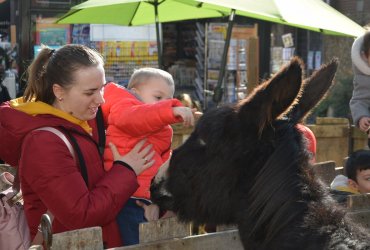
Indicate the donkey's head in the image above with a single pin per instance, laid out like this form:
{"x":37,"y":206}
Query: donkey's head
{"x":247,"y":158}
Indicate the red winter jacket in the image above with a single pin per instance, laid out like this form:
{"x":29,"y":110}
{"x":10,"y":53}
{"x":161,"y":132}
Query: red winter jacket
{"x":129,"y":120}
{"x":51,"y":179}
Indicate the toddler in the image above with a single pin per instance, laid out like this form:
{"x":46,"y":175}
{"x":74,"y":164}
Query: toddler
{"x":144,"y":110}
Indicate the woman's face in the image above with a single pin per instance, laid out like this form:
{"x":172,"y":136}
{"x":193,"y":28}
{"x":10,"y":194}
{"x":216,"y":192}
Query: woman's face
{"x":85,"y":94}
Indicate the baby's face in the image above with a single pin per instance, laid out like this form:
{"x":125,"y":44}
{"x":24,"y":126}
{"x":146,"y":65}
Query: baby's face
{"x":154,"y":90}
{"x":363,"y":181}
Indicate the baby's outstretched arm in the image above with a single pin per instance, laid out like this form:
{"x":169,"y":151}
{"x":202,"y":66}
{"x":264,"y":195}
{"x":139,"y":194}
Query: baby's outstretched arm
{"x":186,"y":115}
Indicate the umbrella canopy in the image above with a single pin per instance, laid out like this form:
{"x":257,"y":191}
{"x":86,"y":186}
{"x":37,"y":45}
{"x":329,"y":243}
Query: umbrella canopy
{"x":313,"y":15}
{"x":136,"y":12}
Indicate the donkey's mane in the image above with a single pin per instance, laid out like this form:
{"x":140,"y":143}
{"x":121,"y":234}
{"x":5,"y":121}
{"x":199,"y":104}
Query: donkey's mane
{"x":277,"y":187}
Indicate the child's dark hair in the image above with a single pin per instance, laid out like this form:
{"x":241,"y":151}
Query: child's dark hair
{"x":358,"y":160}
{"x":366,"y":44}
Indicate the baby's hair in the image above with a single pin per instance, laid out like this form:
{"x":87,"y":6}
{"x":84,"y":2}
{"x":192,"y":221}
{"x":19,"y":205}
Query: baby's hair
{"x":143,"y":74}
{"x":366,"y":44}
{"x":358,"y":160}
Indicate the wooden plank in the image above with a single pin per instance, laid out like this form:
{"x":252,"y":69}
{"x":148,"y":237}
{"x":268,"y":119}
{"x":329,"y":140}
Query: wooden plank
{"x":359,"y":209}
{"x":339,"y":170}
{"x":358,"y":202}
{"x":163,"y":229}
{"x":325,"y":171}
{"x":361,"y":217}
{"x":221,"y":228}
{"x":331,"y":131}
{"x":331,"y":121}
{"x":81,"y":239}
{"x":213,"y":241}
{"x":345,"y":161}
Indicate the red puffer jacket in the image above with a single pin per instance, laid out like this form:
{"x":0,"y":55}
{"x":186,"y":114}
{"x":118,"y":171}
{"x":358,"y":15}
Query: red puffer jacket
{"x":51,"y":179}
{"x":130,"y":120}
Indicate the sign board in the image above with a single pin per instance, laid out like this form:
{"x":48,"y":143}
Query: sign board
{"x":106,"y":32}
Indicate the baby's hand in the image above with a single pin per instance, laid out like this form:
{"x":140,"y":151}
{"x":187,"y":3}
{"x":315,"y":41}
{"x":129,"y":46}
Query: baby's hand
{"x":186,"y":115}
{"x":197,"y":114}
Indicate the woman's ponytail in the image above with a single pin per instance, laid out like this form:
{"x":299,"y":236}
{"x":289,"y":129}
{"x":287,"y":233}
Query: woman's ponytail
{"x":37,"y":86}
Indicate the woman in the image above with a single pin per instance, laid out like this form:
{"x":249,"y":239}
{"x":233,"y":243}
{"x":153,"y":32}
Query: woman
{"x":65,"y":89}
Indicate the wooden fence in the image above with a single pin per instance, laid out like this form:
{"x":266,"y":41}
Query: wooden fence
{"x":335,"y":137}
{"x":169,"y":234}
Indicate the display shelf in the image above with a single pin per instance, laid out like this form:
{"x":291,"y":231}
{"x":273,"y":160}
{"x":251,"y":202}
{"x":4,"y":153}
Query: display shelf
{"x":242,"y":60}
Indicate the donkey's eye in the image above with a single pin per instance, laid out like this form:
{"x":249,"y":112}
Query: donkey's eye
{"x":201,"y":142}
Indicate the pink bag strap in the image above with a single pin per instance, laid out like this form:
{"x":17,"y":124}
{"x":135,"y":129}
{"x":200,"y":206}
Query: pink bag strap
{"x":48,"y":217}
{"x":61,"y":136}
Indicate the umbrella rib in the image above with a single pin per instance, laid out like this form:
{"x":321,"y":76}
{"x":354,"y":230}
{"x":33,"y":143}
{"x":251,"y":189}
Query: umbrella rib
{"x":137,"y":7}
{"x":199,"y":5}
{"x":222,"y":13}
{"x":155,"y":2}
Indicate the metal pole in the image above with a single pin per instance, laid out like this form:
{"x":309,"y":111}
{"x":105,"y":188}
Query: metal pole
{"x":205,"y":78}
{"x":159,"y":47}
{"x":218,"y":92}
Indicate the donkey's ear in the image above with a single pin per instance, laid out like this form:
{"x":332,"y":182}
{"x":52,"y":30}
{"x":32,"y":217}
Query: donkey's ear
{"x":273,"y":97}
{"x":314,"y":90}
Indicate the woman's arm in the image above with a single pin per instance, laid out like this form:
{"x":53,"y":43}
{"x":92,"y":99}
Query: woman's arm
{"x":48,"y":167}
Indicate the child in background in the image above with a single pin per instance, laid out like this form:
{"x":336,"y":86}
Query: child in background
{"x":360,"y":101}
{"x":357,"y":176}
{"x":144,"y":110}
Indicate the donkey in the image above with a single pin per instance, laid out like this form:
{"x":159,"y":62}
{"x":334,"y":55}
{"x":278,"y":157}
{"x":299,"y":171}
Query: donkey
{"x":248,"y":165}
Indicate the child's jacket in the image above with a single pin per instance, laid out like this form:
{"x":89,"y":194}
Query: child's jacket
{"x":339,"y":189}
{"x":129,"y":120}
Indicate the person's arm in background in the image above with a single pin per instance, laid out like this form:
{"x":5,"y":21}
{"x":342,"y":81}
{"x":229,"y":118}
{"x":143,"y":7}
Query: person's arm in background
{"x":360,"y":102}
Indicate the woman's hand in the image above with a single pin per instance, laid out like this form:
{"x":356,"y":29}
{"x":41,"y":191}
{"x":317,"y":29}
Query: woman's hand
{"x":138,"y":158}
{"x":151,"y":212}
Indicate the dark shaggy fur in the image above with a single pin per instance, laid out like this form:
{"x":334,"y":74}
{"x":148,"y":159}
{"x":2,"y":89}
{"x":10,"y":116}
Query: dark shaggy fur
{"x":247,"y":165}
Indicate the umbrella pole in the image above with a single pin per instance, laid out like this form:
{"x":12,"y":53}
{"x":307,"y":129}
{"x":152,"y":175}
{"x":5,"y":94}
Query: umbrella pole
{"x":218,"y":92}
{"x":159,"y":47}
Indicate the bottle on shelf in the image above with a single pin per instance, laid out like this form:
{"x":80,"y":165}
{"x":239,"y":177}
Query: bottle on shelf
{"x":241,"y":90}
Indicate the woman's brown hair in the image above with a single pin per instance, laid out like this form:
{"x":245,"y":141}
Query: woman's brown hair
{"x":57,"y":66}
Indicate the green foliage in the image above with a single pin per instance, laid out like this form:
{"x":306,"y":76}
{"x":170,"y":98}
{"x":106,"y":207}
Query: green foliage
{"x":337,"y":99}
